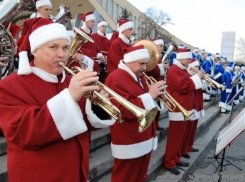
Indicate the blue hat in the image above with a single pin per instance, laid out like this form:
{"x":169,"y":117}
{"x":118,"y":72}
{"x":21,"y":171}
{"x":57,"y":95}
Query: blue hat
{"x":230,"y":66}
{"x":209,"y":54}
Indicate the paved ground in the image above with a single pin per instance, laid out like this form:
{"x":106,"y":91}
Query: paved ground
{"x":204,"y":165}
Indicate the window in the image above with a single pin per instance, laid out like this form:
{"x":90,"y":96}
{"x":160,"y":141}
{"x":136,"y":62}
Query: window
{"x":120,"y":12}
{"x":109,"y":29}
{"x":105,"y":3}
{"x":115,"y":12}
{"x":111,"y":8}
{"x":134,"y":20}
{"x":99,"y":1}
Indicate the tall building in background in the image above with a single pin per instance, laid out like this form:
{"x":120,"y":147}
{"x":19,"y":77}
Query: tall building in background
{"x":228,"y":45}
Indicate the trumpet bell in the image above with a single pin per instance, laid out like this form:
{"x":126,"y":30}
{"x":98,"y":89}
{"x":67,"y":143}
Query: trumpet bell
{"x":146,"y":119}
{"x":153,"y":53}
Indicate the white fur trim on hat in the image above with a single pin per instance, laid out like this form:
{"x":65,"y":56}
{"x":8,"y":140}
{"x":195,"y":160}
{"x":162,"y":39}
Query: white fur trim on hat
{"x":243,"y":67}
{"x":41,"y":3}
{"x":90,"y":17}
{"x":217,"y":56}
{"x":159,"y":42}
{"x":136,"y":55}
{"x":46,"y":33}
{"x":184,"y":55}
{"x":193,"y":64}
{"x":126,"y":26}
{"x":237,"y":67}
{"x":102,"y":23}
{"x":71,"y":33}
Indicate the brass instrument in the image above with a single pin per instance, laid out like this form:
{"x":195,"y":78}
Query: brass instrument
{"x":8,"y":10}
{"x":145,"y":117}
{"x":169,"y":50}
{"x":210,"y":81}
{"x":63,"y":13}
{"x":168,"y":100}
{"x":236,"y":81}
{"x":153,"y":53}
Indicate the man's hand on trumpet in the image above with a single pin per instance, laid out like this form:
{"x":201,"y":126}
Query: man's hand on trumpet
{"x":201,"y":73}
{"x":78,"y":57}
{"x":157,"y":89}
{"x":80,"y":83}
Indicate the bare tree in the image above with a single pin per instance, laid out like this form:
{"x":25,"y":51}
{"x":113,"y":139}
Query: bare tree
{"x":240,"y":49}
{"x":150,"y":25}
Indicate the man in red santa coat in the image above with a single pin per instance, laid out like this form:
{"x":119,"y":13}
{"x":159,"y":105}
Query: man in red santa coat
{"x":181,"y":87}
{"x":104,"y":44}
{"x":116,"y":52}
{"x":87,"y":26}
{"x":44,"y":116}
{"x":198,"y":112}
{"x":131,"y":149}
{"x":44,"y":10}
{"x":158,"y":73}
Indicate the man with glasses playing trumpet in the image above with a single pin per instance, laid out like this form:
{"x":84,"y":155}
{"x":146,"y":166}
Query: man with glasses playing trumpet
{"x":131,"y":149}
{"x":181,"y":87}
{"x":44,"y":116}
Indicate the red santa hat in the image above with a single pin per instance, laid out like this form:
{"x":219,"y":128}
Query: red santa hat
{"x":135,"y":53}
{"x":40,"y":3}
{"x":194,"y":63}
{"x":87,"y":16}
{"x":124,"y":25}
{"x":101,"y":23}
{"x":184,"y":54}
{"x":158,"y":41}
{"x":41,"y":31}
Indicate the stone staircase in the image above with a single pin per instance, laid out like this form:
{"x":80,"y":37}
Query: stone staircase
{"x":101,"y":160}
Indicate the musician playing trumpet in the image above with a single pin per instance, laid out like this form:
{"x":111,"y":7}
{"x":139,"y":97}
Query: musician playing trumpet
{"x":181,"y":87}
{"x":44,"y":116}
{"x":131,"y":149}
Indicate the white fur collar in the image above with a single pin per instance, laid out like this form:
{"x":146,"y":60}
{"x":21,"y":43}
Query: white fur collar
{"x":101,"y":33}
{"x":85,"y":29}
{"x":177,"y":63}
{"x":47,"y":76}
{"x":124,"y":39}
{"x":122,"y":66}
{"x":35,"y":15}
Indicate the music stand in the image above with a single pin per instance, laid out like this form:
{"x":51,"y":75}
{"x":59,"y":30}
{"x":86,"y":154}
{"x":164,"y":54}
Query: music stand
{"x":226,"y":136}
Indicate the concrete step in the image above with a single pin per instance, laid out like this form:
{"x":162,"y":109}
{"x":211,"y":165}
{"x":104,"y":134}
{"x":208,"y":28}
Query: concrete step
{"x":3,"y":168}
{"x":157,"y":156}
{"x":3,"y":145}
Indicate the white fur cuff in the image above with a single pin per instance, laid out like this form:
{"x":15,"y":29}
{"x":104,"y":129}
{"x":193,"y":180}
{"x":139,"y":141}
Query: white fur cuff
{"x":178,"y":116}
{"x":66,"y":114}
{"x":162,"y":71}
{"x":94,"y":120}
{"x":24,"y":65}
{"x":197,"y":81}
{"x":147,"y":101}
{"x":99,"y":55}
{"x":228,"y":90}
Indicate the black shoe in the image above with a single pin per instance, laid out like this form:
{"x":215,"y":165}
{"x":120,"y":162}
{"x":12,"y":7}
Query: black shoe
{"x":160,"y":128}
{"x":174,"y":170}
{"x":195,"y":150}
{"x":207,"y":100}
{"x":186,"y":156}
{"x":183,"y":164}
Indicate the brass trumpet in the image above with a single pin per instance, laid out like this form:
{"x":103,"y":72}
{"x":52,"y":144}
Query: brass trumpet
{"x":209,"y":81}
{"x":168,"y":100}
{"x":145,"y":117}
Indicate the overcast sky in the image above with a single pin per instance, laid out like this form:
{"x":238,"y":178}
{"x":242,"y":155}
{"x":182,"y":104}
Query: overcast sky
{"x":201,"y":22}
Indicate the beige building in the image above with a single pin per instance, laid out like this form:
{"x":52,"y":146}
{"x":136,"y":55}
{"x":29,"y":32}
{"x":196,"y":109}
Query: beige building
{"x":108,"y":10}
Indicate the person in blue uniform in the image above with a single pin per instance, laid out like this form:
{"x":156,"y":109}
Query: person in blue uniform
{"x":226,"y":94}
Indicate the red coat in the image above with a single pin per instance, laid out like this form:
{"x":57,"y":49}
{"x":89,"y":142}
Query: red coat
{"x":158,"y":72}
{"x":102,"y":41}
{"x":37,"y":145}
{"x":127,"y":142}
{"x":181,"y":87}
{"x":115,"y":53}
{"x":114,"y":36}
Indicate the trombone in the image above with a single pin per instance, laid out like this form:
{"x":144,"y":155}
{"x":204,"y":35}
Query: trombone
{"x":145,"y":117}
{"x":210,"y":81}
{"x":168,"y":100}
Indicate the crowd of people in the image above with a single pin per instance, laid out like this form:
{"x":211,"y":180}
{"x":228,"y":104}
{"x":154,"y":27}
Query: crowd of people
{"x":47,"y":120}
